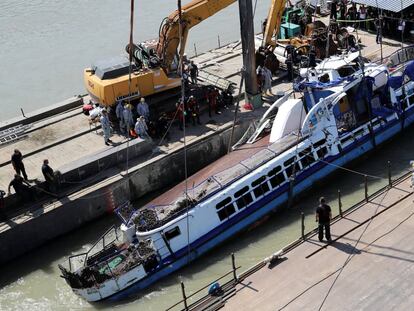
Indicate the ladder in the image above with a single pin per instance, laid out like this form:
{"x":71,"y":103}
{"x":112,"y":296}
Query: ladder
{"x":12,"y":134}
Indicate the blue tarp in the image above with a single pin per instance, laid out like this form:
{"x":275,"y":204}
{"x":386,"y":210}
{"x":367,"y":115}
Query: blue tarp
{"x":395,"y":82}
{"x":302,"y":85}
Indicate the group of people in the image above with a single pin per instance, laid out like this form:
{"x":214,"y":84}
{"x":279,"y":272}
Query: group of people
{"x":383,"y":22}
{"x":20,"y":183}
{"x":128,"y":120}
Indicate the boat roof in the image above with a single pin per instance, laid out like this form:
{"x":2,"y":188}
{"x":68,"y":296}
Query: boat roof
{"x":336,"y":62}
{"x":219,"y":174}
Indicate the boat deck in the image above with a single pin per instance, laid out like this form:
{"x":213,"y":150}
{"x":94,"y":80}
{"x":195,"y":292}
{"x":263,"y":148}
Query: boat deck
{"x":368,"y":268}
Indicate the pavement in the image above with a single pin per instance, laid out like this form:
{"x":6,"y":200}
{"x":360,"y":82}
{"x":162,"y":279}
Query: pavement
{"x":370,"y":268}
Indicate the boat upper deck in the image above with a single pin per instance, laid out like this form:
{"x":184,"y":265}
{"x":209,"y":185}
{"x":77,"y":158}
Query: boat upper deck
{"x":226,"y":169}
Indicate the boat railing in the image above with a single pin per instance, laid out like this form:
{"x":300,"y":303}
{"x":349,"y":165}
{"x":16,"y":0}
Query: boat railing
{"x":78,"y":261}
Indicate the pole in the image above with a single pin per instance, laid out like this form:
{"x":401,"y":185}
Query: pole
{"x":389,"y":173}
{"x":248,"y":49}
{"x":131,"y":42}
{"x":218,"y":41}
{"x":236,"y":111}
{"x":233,"y":263}
{"x":195,"y":50}
{"x":366,"y":187}
{"x":340,"y":203}
{"x":181,"y":66}
{"x":184,"y":296}
{"x":302,"y":215}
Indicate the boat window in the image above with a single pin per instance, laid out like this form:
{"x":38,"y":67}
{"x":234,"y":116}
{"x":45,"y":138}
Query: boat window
{"x":241,"y":191}
{"x":226,"y":211}
{"x":319,"y":143}
{"x":170,"y":234}
{"x":322,"y":152}
{"x":274,"y":171}
{"x":289,"y":170}
{"x":307,"y":157}
{"x":258,"y":181}
{"x":223,"y":203}
{"x":277,"y":179}
{"x":244,"y":200}
{"x":261,"y":186}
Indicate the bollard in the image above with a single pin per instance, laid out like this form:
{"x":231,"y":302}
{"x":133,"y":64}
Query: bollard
{"x":184,"y":296}
{"x":366,"y":188}
{"x":195,"y":50}
{"x":389,"y":174}
{"x":303,"y":225}
{"x":21,"y":109}
{"x":218,"y":40}
{"x":233,"y":262}
{"x":340,"y":203}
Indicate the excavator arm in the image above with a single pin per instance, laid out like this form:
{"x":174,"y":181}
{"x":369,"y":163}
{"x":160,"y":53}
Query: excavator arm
{"x":193,"y":13}
{"x":274,"y":20}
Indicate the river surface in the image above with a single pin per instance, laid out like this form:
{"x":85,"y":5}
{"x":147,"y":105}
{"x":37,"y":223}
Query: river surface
{"x":46,"y":44}
{"x":33,"y":283}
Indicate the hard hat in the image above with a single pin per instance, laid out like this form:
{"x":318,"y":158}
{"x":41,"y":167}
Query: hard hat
{"x":142,"y":99}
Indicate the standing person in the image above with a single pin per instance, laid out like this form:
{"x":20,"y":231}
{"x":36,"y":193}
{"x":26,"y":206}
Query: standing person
{"x":289,"y":65}
{"x":362,"y":16}
{"x":141,"y":128}
{"x":264,"y":24}
{"x":342,"y":10}
{"x":17,"y":162}
{"x":21,"y":187}
{"x":267,"y":84}
{"x":106,"y":127}
{"x":334,"y":10}
{"x":312,"y":57}
{"x":143,"y":109}
{"x":194,"y":110}
{"x":212,"y":101}
{"x":128,"y":118}
{"x":118,"y":111}
{"x":378,"y":27}
{"x":49,"y":176}
{"x":193,"y":72}
{"x":180,"y":113}
{"x":323,"y":217}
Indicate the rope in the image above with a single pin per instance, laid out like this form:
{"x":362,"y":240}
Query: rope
{"x":355,"y":21}
{"x":352,"y":255}
{"x":347,"y":169}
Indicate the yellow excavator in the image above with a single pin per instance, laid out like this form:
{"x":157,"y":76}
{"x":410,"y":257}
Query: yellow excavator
{"x":155,"y":62}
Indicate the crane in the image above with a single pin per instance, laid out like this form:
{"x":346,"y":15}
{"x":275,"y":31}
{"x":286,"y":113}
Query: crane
{"x":155,"y":62}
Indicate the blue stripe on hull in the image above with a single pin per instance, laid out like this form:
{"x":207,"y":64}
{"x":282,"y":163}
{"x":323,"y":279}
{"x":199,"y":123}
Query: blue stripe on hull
{"x":273,"y":200}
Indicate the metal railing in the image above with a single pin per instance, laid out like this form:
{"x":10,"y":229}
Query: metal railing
{"x":184,"y":302}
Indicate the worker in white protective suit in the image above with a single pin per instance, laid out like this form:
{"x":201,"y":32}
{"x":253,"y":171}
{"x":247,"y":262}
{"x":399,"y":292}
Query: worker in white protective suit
{"x":106,"y":127}
{"x":119,"y":115}
{"x":128,"y":118}
{"x":141,"y":128}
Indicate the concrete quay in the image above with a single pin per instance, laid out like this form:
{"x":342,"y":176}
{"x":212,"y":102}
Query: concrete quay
{"x":368,"y":266}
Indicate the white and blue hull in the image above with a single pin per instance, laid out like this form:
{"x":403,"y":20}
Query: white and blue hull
{"x":273,"y":200}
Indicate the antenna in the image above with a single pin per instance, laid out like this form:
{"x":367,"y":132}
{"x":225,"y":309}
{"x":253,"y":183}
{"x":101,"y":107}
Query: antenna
{"x":131,"y":42}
